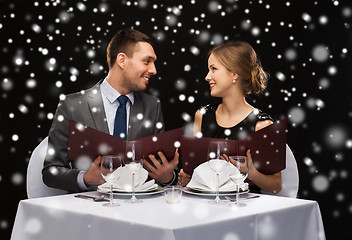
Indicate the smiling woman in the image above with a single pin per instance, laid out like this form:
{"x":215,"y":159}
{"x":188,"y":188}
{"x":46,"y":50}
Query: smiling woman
{"x":234,"y":72}
{"x":238,"y":61}
{"x":308,"y":61}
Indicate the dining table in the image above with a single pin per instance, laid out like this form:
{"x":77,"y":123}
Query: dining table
{"x":265,"y":217}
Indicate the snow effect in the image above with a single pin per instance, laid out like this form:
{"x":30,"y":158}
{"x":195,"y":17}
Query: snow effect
{"x":53,"y":48}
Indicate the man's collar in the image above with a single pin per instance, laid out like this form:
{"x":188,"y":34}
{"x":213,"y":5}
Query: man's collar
{"x":112,"y":94}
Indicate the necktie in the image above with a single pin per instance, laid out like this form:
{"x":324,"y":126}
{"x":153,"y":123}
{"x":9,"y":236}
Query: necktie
{"x":121,"y":118}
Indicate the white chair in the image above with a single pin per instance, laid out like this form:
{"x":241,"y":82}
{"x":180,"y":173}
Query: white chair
{"x":35,"y":186}
{"x":290,"y":178}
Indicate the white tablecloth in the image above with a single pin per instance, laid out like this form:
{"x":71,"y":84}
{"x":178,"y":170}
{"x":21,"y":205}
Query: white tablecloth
{"x":266,"y":217}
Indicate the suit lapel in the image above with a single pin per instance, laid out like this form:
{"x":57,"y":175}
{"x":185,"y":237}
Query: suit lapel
{"x":96,"y":108}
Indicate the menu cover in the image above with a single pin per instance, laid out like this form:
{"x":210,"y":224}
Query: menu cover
{"x":268,"y":148}
{"x":89,"y":143}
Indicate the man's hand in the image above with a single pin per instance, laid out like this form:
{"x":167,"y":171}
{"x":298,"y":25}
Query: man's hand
{"x":93,"y":176}
{"x":164,"y":171}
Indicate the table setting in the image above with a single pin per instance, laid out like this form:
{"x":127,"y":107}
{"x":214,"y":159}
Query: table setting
{"x":123,"y":184}
{"x":229,"y":178}
{"x":131,"y":206}
{"x":215,"y":177}
{"x":168,"y":215}
{"x":215,"y":204}
{"x":125,"y":176}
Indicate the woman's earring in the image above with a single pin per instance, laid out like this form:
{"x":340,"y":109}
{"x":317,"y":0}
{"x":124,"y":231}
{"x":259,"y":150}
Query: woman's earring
{"x":235,"y":78}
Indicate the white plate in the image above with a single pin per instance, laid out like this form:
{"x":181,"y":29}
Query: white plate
{"x":128,"y":193}
{"x":151,"y":188}
{"x":211,"y":193}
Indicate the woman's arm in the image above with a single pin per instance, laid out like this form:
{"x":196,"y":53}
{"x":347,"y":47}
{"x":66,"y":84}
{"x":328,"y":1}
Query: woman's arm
{"x":197,"y":123}
{"x":262,"y":124}
{"x":269,"y":183}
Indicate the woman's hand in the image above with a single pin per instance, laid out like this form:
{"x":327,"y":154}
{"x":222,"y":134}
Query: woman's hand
{"x":183,"y":178}
{"x":241,"y":166}
{"x":269,"y":183}
{"x":251,"y":169}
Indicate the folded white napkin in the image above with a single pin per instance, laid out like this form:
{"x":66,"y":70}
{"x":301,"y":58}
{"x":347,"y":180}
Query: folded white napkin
{"x":204,"y":179}
{"x":124,"y":180}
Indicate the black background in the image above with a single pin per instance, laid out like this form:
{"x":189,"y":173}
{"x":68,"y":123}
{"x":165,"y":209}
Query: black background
{"x":293,"y":41}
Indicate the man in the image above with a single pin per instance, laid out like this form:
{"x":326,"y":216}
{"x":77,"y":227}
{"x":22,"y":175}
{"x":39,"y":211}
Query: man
{"x":131,"y":58}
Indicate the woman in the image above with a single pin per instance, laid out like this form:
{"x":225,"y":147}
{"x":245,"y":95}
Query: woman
{"x":234,"y":72}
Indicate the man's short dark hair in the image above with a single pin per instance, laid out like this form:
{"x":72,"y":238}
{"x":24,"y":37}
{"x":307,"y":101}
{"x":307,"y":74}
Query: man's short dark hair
{"x":124,"y":41}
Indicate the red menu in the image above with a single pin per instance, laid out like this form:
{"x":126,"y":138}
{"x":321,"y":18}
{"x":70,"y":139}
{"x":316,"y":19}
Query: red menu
{"x":87,"y":142}
{"x":268,"y":149}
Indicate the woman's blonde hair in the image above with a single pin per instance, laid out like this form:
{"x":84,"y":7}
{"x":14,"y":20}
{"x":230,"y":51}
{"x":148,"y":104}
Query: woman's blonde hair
{"x":240,"y":58}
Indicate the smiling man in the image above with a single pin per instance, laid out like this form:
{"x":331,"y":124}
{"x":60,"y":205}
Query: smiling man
{"x":115,"y":105}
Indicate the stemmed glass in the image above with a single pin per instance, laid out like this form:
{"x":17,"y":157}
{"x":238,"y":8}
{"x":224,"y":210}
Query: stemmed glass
{"x":109,"y":164}
{"x":217,"y":160}
{"x":133,"y":162}
{"x":241,"y":163}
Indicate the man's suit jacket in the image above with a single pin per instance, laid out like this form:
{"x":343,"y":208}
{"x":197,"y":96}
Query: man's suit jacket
{"x":87,"y":107}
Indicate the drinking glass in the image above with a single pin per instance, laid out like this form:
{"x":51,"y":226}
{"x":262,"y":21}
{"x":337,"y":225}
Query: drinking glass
{"x":217,"y":160}
{"x":133,"y":162}
{"x":173,"y":194}
{"x":241,"y":163}
{"x":109,"y":164}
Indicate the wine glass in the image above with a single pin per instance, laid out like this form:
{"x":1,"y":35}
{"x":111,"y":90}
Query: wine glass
{"x":217,"y":160}
{"x":109,"y":164}
{"x":133,"y":162}
{"x":241,"y":163}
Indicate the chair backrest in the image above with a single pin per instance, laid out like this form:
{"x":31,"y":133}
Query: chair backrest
{"x":35,"y":186}
{"x":290,"y":178}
